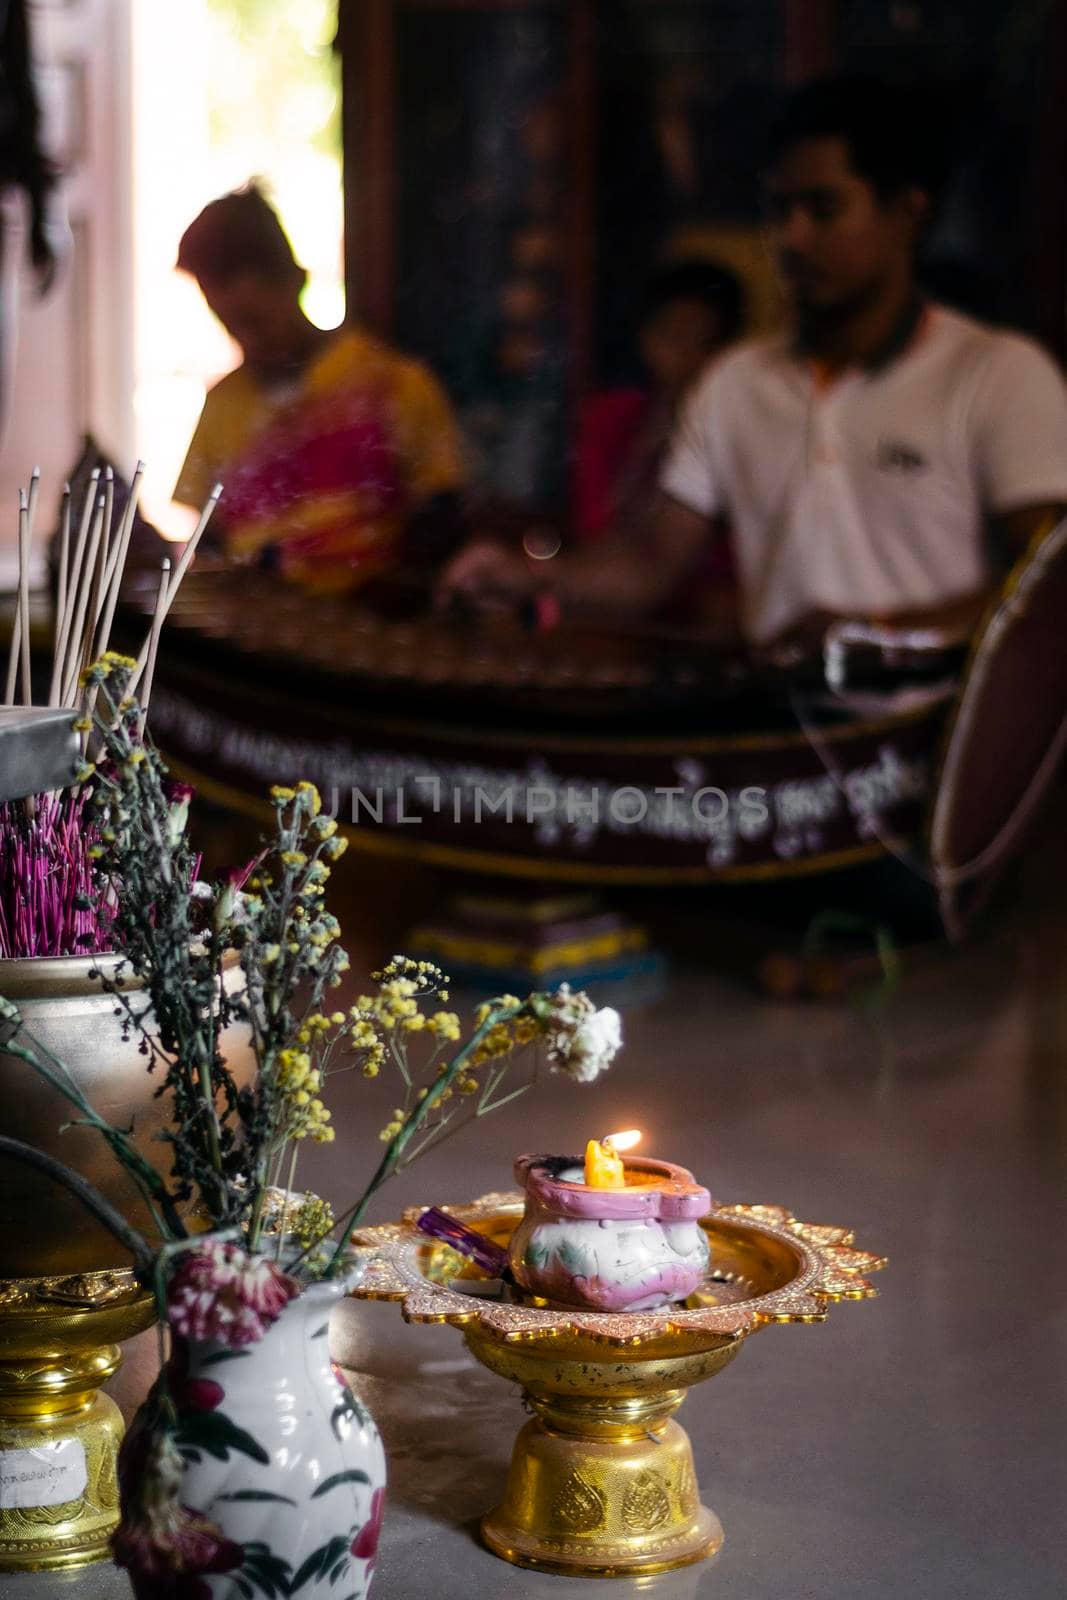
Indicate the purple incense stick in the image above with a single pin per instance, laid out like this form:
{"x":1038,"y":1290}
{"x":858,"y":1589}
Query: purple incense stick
{"x":492,"y":1258}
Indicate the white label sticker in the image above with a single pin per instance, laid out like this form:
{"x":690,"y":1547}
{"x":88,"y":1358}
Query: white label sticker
{"x":51,"y":1475}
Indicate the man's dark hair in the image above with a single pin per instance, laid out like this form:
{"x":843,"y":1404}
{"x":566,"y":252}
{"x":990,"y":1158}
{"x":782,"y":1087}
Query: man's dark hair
{"x":707,"y":282}
{"x":894,"y":137}
{"x":237,"y":234}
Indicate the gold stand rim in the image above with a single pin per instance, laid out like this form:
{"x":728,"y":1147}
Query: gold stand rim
{"x":708,"y":1541}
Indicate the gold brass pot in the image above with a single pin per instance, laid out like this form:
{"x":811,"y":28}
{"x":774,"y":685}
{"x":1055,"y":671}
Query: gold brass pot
{"x":67,"y":1295}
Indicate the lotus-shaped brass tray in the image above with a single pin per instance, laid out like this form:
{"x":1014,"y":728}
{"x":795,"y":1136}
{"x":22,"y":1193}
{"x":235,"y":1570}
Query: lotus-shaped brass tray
{"x":602,"y":1481}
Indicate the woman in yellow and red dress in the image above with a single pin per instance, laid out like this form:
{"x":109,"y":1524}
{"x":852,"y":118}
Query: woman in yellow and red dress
{"x":338,"y":455}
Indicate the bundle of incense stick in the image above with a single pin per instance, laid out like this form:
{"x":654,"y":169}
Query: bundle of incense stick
{"x":93,"y":547}
{"x":51,"y":900}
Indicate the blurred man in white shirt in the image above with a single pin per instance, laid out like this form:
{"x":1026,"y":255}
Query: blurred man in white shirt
{"x":883,"y":459}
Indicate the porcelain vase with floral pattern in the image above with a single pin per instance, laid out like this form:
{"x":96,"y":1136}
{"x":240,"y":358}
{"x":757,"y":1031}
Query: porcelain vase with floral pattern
{"x":278,"y":1471}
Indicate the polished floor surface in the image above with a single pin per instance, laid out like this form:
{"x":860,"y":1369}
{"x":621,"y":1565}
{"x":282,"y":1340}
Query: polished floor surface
{"x":913,"y":1445}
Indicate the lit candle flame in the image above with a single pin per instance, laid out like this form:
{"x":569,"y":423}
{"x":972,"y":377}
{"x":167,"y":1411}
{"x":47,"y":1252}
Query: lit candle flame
{"x":625,"y":1140}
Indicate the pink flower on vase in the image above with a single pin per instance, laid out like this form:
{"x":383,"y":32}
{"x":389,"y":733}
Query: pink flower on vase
{"x":365,"y":1544}
{"x":221,"y":1292}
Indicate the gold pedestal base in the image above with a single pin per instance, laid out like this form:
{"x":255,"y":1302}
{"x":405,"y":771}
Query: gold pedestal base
{"x":604,"y":1508}
{"x":83,"y":1444}
{"x":601,"y":1482}
{"x":59,"y":1437}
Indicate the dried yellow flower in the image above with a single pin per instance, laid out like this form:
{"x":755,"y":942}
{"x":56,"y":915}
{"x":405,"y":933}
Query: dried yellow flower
{"x":444,"y":1025}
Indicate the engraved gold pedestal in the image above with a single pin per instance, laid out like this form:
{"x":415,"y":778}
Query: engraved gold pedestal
{"x":59,"y":1436}
{"x":602,"y":1479}
{"x":602,"y":1482}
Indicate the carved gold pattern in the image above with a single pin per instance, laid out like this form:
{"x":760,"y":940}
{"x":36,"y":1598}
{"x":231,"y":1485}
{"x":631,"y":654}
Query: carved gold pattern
{"x":579,"y":1506}
{"x":82,"y":1289}
{"x":646,"y":1505}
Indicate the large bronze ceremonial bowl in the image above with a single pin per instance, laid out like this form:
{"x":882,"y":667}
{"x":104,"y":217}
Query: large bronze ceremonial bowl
{"x":42,"y":1227}
{"x":68,"y":1296}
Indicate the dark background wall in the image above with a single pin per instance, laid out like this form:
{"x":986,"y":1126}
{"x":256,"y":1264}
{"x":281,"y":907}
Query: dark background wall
{"x":514,"y":171}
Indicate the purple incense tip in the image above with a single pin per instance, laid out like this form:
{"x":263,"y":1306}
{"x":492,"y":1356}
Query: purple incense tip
{"x":492,"y":1258}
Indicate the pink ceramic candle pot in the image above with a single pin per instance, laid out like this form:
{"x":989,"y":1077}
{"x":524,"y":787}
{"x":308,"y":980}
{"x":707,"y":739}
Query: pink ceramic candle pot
{"x":625,"y":1249}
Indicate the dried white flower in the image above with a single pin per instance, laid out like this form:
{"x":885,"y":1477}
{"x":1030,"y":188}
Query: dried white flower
{"x":582,"y":1041}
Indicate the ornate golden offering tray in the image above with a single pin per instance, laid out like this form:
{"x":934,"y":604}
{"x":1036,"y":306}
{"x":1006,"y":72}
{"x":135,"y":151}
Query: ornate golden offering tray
{"x":602,"y":1482}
